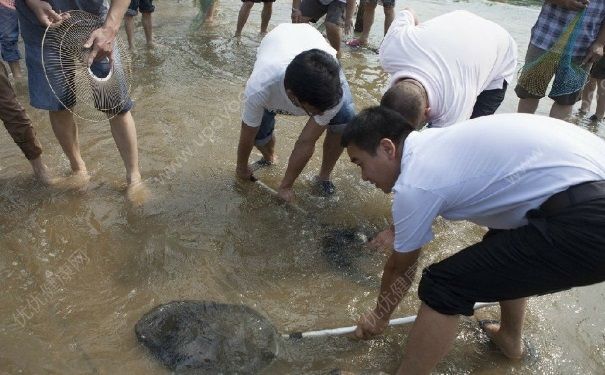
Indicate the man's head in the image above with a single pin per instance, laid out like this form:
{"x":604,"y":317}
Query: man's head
{"x":408,"y":98}
{"x":374,"y":141}
{"x":312,"y":81}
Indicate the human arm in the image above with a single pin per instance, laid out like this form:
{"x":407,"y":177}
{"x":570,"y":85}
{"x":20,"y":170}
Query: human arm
{"x":570,"y":4}
{"x":595,"y":51}
{"x":414,"y":15}
{"x":397,"y":277}
{"x":101,"y":40}
{"x":303,"y":150}
{"x":244,"y":149}
{"x":296,"y":13}
{"x":349,"y":12}
{"x":43,"y":12}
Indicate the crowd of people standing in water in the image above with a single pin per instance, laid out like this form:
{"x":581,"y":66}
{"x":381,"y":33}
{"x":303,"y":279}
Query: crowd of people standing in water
{"x":537,"y":183}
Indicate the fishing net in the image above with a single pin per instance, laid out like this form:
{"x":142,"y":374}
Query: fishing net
{"x":570,"y":77}
{"x":93,"y":93}
{"x":210,"y":336}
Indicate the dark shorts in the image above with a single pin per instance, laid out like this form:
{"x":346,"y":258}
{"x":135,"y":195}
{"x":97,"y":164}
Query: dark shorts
{"x":533,"y":53}
{"x":336,"y":125}
{"x":598,"y":69}
{"x":335,"y":11}
{"x":489,"y":101}
{"x":385,"y":3}
{"x":143,"y":6}
{"x":556,"y":251}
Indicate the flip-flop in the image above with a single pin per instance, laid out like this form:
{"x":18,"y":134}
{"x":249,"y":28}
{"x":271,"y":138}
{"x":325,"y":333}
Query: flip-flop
{"x":530,"y":354}
{"x":260,"y":163}
{"x":355,"y":43}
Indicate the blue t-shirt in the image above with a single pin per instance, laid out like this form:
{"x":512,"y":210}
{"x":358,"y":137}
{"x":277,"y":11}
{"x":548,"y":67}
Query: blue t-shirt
{"x":31,"y":29}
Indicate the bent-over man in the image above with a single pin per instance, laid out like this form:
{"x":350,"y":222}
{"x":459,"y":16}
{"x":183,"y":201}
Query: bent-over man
{"x":537,"y":183}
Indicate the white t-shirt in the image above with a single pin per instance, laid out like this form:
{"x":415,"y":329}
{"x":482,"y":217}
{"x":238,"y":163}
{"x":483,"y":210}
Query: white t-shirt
{"x":454,"y":56}
{"x":265,"y":87}
{"x":490,"y":172}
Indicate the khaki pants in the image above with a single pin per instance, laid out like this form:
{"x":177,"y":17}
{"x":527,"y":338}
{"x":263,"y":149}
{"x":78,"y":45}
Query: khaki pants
{"x":15,"y":119}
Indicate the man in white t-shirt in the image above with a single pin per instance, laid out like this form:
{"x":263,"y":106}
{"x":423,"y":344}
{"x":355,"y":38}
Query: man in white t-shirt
{"x":448,"y":69}
{"x":296,"y":73}
{"x":538,"y":183}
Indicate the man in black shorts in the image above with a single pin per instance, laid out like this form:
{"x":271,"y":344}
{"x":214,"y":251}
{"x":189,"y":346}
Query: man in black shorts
{"x":339,"y":15}
{"x":244,"y":12}
{"x":435,"y":78}
{"x":595,"y":83}
{"x":537,"y":182}
{"x":146,"y":8}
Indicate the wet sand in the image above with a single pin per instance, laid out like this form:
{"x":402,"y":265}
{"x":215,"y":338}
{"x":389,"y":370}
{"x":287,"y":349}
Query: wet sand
{"x":79,"y":268}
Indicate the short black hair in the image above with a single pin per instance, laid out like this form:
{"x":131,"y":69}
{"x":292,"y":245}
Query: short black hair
{"x":373,"y":124}
{"x":314,"y":78}
{"x":407,"y":100}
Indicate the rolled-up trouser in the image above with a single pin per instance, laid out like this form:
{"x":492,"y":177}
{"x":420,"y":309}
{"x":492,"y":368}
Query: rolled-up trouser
{"x":558,"y":249}
{"x":15,"y":119}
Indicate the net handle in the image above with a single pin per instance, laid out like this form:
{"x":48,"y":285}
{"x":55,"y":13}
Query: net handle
{"x":351,"y":329}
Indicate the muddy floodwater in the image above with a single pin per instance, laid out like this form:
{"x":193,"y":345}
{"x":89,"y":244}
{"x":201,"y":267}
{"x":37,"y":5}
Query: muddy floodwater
{"x":78,"y":269}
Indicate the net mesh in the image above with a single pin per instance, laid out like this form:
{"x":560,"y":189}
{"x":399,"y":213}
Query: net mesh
{"x":93,"y":93}
{"x":570,"y":77}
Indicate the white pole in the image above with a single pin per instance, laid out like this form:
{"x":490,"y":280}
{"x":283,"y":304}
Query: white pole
{"x":351,"y":329}
{"x":274,"y":193}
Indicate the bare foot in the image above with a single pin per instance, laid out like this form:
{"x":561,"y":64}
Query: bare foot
{"x":510,"y":347}
{"x":78,"y":180}
{"x":15,"y":68}
{"x":42,"y":172}
{"x":137,"y":193}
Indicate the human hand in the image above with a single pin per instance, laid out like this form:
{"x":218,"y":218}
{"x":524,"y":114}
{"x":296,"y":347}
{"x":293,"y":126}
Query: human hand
{"x":101,"y":41}
{"x":371,"y":324}
{"x":572,"y":4}
{"x":45,"y":13}
{"x":296,"y":15}
{"x":286,"y":194}
{"x":595,"y":52}
{"x":384,"y":239}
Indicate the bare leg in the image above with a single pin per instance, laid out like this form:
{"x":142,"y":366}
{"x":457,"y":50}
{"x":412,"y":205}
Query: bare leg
{"x":528,"y":105}
{"x":559,"y":111}
{"x":334,"y":34}
{"x":331,"y":152}
{"x":268,"y":150}
{"x":129,"y":27}
{"x":66,"y":131}
{"x":244,"y":12}
{"x":41,"y":171}
{"x":15,"y":67}
{"x":209,"y":16}
{"x":368,"y":20}
{"x":125,"y":135}
{"x":600,"y":111}
{"x":507,"y":335}
{"x":587,"y":95}
{"x":265,"y":17}
{"x":430,"y":339}
{"x":389,"y":16}
{"x":148,"y":28}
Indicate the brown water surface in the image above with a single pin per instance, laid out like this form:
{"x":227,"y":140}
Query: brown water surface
{"x":79,"y":268}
